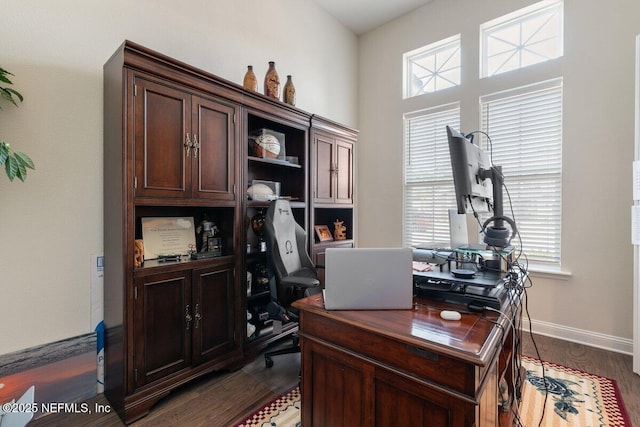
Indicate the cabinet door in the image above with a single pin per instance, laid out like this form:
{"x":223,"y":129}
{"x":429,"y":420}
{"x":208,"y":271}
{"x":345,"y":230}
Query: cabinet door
{"x":214,"y":312}
{"x":161,"y":325}
{"x":161,"y":119}
{"x":344,"y":172}
{"x":336,"y":388}
{"x":214,"y":133}
{"x":339,"y":389}
{"x":323,"y":169}
{"x":400,"y":401}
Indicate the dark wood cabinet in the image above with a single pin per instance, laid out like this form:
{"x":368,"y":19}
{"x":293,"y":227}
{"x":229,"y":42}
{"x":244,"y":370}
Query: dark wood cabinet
{"x":178,"y":144}
{"x":213,"y":310}
{"x":332,"y":156}
{"x":184,"y":144}
{"x":332,"y":183}
{"x":160,"y":126}
{"x":214,"y":131}
{"x":182,"y":318}
{"x":161,"y":339}
{"x":171,"y":149}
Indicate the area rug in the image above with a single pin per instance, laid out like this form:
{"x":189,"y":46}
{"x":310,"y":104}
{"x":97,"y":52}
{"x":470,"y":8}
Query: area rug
{"x":574,"y":398}
{"x":283,"y":411}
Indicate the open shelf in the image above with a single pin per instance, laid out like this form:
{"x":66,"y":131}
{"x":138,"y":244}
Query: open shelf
{"x":276,"y":162}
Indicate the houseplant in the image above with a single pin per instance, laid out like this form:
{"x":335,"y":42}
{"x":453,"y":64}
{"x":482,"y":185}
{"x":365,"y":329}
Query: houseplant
{"x":16,"y":163}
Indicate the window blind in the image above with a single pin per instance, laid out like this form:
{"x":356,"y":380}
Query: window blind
{"x":428,"y":181}
{"x":525,"y":127}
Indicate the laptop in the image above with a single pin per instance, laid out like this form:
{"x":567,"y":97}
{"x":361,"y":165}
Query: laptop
{"x":368,"y":279}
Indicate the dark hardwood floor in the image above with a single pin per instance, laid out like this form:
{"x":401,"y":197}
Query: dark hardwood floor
{"x":223,"y":399}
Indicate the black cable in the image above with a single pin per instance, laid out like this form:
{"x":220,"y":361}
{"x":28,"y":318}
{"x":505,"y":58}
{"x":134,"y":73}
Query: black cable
{"x":522,"y":272}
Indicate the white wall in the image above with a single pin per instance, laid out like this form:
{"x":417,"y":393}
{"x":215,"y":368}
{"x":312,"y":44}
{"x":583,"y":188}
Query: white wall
{"x":51,"y":224}
{"x":598,"y":70}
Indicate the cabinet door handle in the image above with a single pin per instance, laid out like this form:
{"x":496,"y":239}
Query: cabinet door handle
{"x":187,"y":145}
{"x":198,"y":316}
{"x":188,"y":317}
{"x":195,"y":145}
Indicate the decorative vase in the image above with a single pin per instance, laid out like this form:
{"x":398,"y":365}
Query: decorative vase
{"x":289,"y":92}
{"x":272,"y":82}
{"x":250,"y":81}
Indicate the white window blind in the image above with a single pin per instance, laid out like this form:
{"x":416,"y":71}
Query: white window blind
{"x":428,"y":181}
{"x":525,"y":127}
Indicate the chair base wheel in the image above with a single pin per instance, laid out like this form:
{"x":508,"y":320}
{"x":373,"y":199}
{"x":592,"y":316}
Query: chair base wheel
{"x":268,"y":362}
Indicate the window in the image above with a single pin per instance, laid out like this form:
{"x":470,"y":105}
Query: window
{"x":524,"y":124}
{"x":432,"y":68}
{"x":525,"y":37}
{"x":525,"y":127}
{"x":428,"y":181}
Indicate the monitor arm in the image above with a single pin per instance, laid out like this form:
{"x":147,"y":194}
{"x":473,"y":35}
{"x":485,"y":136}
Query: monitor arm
{"x":496,"y":177}
{"x":497,"y":235}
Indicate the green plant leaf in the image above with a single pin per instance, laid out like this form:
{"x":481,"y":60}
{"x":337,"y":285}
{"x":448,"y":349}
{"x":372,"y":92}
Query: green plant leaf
{"x":3,"y":76}
{"x":24,"y":160}
{"x":21,"y":172}
{"x":4,"y":152}
{"x":11,"y":166}
{"x":15,"y":92}
{"x":8,"y":95}
{"x":15,"y":163}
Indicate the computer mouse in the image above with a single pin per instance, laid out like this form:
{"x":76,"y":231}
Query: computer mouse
{"x":450,"y":315}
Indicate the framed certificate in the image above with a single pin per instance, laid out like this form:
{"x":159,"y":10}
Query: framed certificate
{"x":168,"y":236}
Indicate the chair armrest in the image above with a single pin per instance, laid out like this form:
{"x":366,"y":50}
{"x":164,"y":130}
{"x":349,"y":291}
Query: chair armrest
{"x":300,"y":281}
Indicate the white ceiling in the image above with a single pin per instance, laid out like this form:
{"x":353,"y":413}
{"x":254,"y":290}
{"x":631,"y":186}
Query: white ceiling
{"x":361,"y":16}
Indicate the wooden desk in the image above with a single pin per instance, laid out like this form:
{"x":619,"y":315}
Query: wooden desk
{"x":404,"y":367}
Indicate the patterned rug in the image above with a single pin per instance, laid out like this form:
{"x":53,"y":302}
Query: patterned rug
{"x":283,"y":411}
{"x":575,"y":398}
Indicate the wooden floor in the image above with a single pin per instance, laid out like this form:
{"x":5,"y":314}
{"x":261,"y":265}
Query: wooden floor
{"x":224,"y":399}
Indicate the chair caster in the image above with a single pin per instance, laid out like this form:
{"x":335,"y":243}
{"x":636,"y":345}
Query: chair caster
{"x":296,"y":340}
{"x":268,"y":362}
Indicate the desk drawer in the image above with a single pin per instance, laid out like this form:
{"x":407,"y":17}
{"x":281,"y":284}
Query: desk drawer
{"x":424,"y":363}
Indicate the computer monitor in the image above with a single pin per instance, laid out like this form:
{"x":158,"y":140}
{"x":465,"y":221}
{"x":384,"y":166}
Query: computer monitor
{"x":474,"y":193}
{"x":478,"y":186}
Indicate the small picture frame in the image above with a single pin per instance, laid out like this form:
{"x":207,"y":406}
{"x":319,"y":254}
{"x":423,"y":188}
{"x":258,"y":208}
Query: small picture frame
{"x":323,"y":233}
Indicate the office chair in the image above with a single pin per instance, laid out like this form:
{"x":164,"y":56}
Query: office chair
{"x":294,"y":275}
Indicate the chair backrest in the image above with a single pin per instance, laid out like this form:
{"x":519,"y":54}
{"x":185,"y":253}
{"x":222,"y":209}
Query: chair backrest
{"x":286,"y":239}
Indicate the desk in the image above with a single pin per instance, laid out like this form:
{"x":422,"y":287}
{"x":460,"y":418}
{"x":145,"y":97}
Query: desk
{"x":404,"y":367}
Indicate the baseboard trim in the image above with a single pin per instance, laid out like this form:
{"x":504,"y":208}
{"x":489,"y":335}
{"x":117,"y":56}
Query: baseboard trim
{"x":580,"y":336}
